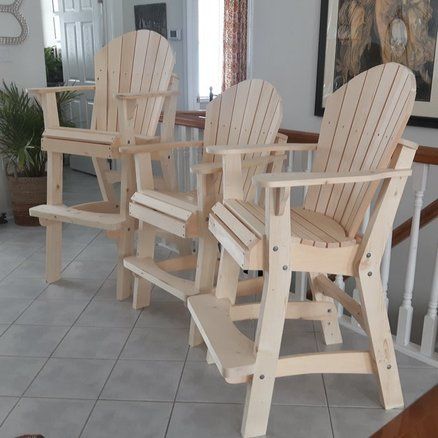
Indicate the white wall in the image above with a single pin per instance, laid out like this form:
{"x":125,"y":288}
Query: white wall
{"x":285,"y":52}
{"x":23,"y":63}
{"x":176,"y":19}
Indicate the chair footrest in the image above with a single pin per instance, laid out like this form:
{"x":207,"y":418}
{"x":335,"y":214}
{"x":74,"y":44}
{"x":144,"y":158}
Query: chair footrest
{"x":145,"y":267}
{"x":62,"y":213}
{"x":231,"y":350}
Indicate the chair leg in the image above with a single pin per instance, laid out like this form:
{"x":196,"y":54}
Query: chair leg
{"x":195,"y":337}
{"x":145,"y":248}
{"x":206,"y":263}
{"x":204,"y":277}
{"x":330,"y":327}
{"x":125,"y":247}
{"x":381,"y":344}
{"x":53,"y":251}
{"x":260,"y":389}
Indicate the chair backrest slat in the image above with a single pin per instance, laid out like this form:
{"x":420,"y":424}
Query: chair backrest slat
{"x":136,"y":62}
{"x":247,"y":113}
{"x":362,"y":124}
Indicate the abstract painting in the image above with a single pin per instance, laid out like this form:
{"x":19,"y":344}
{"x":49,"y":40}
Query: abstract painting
{"x":356,"y":35}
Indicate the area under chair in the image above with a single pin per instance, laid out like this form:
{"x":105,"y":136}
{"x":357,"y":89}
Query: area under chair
{"x":360,"y":150}
{"x":134,"y":84}
{"x":248,"y":113}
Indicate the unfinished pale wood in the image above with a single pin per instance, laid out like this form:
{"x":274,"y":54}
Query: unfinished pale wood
{"x":93,"y":219}
{"x":250,"y":110}
{"x":231,"y":350}
{"x":178,"y":264}
{"x":298,"y":179}
{"x":339,"y":362}
{"x":61,"y":89}
{"x":254,"y":148}
{"x":121,"y":68}
{"x":359,"y":150}
{"x":330,"y":289}
{"x":149,"y":270}
{"x":295,"y":310}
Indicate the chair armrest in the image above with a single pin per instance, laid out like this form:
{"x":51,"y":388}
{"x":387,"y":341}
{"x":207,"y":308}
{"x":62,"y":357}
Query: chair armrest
{"x":159,"y":147}
{"x":140,"y":96}
{"x":47,"y":90}
{"x":300,"y":179}
{"x":250,"y":149}
{"x":209,"y":168}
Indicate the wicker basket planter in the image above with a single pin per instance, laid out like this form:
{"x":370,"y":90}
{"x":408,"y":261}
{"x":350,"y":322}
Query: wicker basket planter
{"x":26,"y":193}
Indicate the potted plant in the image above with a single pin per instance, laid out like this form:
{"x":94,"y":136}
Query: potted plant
{"x":53,"y":61}
{"x":21,"y":129}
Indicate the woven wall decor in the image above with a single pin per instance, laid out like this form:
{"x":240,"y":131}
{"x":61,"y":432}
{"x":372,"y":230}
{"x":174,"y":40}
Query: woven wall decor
{"x":14,"y":9}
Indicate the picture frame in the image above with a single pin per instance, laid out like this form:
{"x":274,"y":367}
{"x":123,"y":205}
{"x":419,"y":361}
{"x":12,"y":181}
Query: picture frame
{"x":341,"y":57}
{"x":151,"y":16}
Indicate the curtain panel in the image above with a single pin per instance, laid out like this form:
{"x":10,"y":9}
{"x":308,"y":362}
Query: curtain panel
{"x":235,"y":42}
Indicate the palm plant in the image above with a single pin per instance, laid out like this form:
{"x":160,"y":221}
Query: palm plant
{"x":21,"y":129}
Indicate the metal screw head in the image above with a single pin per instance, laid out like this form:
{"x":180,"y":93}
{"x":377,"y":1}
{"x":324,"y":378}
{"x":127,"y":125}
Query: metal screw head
{"x":275,"y":248}
{"x":262,"y":376}
{"x":370,"y":274}
{"x":285,"y":268}
{"x":388,"y":367}
{"x":368,"y":255}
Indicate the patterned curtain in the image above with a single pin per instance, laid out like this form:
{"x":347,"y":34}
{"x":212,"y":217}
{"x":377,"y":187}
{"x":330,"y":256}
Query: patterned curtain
{"x":235,"y":42}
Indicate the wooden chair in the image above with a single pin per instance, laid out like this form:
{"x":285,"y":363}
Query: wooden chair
{"x":134,"y":84}
{"x":249,"y":112}
{"x":359,"y":150}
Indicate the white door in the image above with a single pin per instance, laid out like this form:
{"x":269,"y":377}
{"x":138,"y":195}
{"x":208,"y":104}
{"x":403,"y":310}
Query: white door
{"x":82,"y":35}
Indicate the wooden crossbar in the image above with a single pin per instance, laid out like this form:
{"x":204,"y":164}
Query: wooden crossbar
{"x":339,"y":362}
{"x":331,"y":290}
{"x":313,"y":311}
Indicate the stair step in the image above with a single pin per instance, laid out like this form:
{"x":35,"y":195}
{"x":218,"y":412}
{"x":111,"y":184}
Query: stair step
{"x":231,"y":350}
{"x":145,"y":267}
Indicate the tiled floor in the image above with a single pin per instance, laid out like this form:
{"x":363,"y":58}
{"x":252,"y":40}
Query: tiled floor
{"x":75,"y":362}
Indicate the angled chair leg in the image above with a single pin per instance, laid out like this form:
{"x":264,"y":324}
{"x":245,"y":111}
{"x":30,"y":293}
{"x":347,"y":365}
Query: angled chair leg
{"x":145,"y":248}
{"x":272,"y":315}
{"x":125,"y":247}
{"x":381,"y":344}
{"x":53,"y":251}
{"x":330,"y":327}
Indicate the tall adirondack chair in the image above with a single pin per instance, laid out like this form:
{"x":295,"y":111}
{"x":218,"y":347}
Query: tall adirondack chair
{"x":359,"y":150}
{"x":249,"y":112}
{"x":134,"y":84}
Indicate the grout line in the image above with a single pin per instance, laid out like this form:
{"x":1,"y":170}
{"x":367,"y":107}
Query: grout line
{"x":109,"y":374}
{"x":57,"y":345}
{"x":176,"y":393}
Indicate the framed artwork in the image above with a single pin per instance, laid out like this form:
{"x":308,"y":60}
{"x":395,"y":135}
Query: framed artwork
{"x":151,"y":17}
{"x":356,"y":35}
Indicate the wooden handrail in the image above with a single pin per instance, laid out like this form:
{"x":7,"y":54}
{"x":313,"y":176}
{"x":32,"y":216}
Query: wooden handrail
{"x":403,"y":231}
{"x":196,"y":119}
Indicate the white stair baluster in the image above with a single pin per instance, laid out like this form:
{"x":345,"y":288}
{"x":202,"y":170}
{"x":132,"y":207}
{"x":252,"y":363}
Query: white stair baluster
{"x":404,"y":324}
{"x":384,"y":269}
{"x":339,"y":281}
{"x":430,"y":325}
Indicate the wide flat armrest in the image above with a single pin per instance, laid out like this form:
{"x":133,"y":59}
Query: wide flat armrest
{"x":256,"y":148}
{"x":47,"y":90}
{"x":139,"y":96}
{"x":209,"y":168}
{"x":299,"y":179}
{"x":159,"y":147}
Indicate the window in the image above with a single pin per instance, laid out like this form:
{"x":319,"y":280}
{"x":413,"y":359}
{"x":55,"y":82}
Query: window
{"x":210,"y":45}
